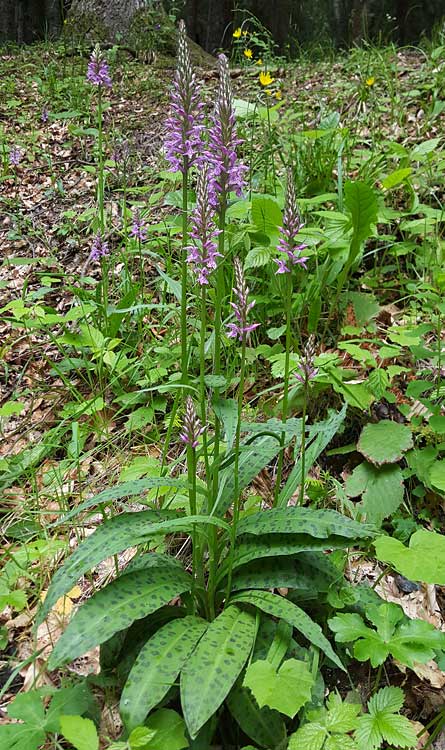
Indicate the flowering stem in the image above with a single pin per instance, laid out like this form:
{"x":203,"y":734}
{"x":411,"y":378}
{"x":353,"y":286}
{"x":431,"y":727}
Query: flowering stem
{"x":236,"y":492}
{"x":100,"y":181}
{"x":191,"y":471}
{"x":303,"y":443}
{"x":286,"y":385}
{"x":184,"y":367}
{"x":202,"y":341}
{"x":217,"y":333}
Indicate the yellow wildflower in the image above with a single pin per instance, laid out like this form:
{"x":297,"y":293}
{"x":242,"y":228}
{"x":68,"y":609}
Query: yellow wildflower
{"x":259,"y":62}
{"x":370,"y":81}
{"x":278,"y":95}
{"x":237,"y":33}
{"x":248,"y":53}
{"x":268,"y":92}
{"x":245,"y":33}
{"x":266,"y":79}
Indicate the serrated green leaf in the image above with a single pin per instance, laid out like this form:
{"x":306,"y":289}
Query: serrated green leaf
{"x":383,"y":724}
{"x":81,"y":733}
{"x":378,"y":382}
{"x":71,"y":701}
{"x":215,"y":665}
{"x":423,"y":560}
{"x":263,"y":725}
{"x":308,"y":737}
{"x":384,"y":442}
{"x":259,"y":256}
{"x":157,"y":666}
{"x":112,"y":537}
{"x":21,"y":737}
{"x":296,"y":520}
{"x":286,"y":690}
{"x":278,"y":606}
{"x":113,"y":608}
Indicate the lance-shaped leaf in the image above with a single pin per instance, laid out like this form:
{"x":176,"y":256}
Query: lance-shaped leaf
{"x":157,"y":666}
{"x":125,"y":489}
{"x":296,"y":520}
{"x":214,"y":665}
{"x":112,"y":537}
{"x":263,"y":725}
{"x":278,"y":606}
{"x":115,"y":607}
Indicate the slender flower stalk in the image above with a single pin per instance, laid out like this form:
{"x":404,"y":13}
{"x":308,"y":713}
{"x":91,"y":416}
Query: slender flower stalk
{"x":242,"y":308}
{"x":192,"y":430}
{"x":183,"y":147}
{"x":291,"y":257}
{"x":204,"y":251}
{"x":305,"y":373}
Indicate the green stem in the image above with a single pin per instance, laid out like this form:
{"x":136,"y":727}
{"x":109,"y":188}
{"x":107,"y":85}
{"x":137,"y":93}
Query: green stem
{"x":191,"y":472}
{"x":202,"y":385}
{"x":236,"y":492}
{"x":184,"y":368}
{"x":377,"y":679}
{"x":100,"y":181}
{"x":303,"y":444}
{"x":286,"y":385}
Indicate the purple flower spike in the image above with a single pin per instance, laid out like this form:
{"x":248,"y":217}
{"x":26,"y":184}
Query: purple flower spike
{"x":98,"y":72}
{"x":138,"y":229}
{"x":203,"y":253}
{"x":306,"y":370}
{"x":99,"y":248}
{"x":226,"y":174}
{"x":191,"y":426}
{"x":184,"y":126}
{"x":289,"y":232}
{"x":242,"y":307}
{"x":15,"y":156}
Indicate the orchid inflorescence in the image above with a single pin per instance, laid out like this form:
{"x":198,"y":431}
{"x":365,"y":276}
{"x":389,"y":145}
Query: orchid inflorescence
{"x":203,"y":253}
{"x":192,"y":428}
{"x":289,"y":232}
{"x":98,"y":72}
{"x":306,"y":370}
{"x":241,"y":307}
{"x":99,"y":248}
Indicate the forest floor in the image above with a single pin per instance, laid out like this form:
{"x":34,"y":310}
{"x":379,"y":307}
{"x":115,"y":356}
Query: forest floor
{"x":81,"y":411}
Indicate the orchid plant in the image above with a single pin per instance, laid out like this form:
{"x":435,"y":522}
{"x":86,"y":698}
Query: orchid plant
{"x":168,"y":629}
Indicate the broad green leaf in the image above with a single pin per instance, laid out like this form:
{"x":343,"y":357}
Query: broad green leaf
{"x":266,"y":215}
{"x":113,"y":608}
{"x":396,"y":177}
{"x":383,"y":723}
{"x":384,"y":442}
{"x":215,"y":664}
{"x":286,"y":690}
{"x":296,"y":520}
{"x":113,"y":536}
{"x":262,"y":725}
{"x":329,"y":727}
{"x":73,"y":700}
{"x":308,"y":572}
{"x":361,"y":202}
{"x":125,"y":489}
{"x":382,"y":489}
{"x":139,"y":738}
{"x":308,"y":737}
{"x":169,"y":731}
{"x":320,"y":435}
{"x":157,"y":666}
{"x":21,"y":737}
{"x":28,"y":707}
{"x":409,"y":642}
{"x":437,"y":475}
{"x":423,"y":560}
{"x":81,"y":733}
{"x":278,"y":606}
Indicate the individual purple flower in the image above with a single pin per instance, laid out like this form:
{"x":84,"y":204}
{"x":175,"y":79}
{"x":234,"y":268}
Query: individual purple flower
{"x":138,"y":229}
{"x":185,"y":124}
{"x":306,"y":370}
{"x":289,"y":232}
{"x":227,"y":174}
{"x":98,"y":72}
{"x":45,"y":114}
{"x":242,"y":307}
{"x":191,"y":429}
{"x":203,"y":253}
{"x":99,"y":248}
{"x":15,"y":156}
